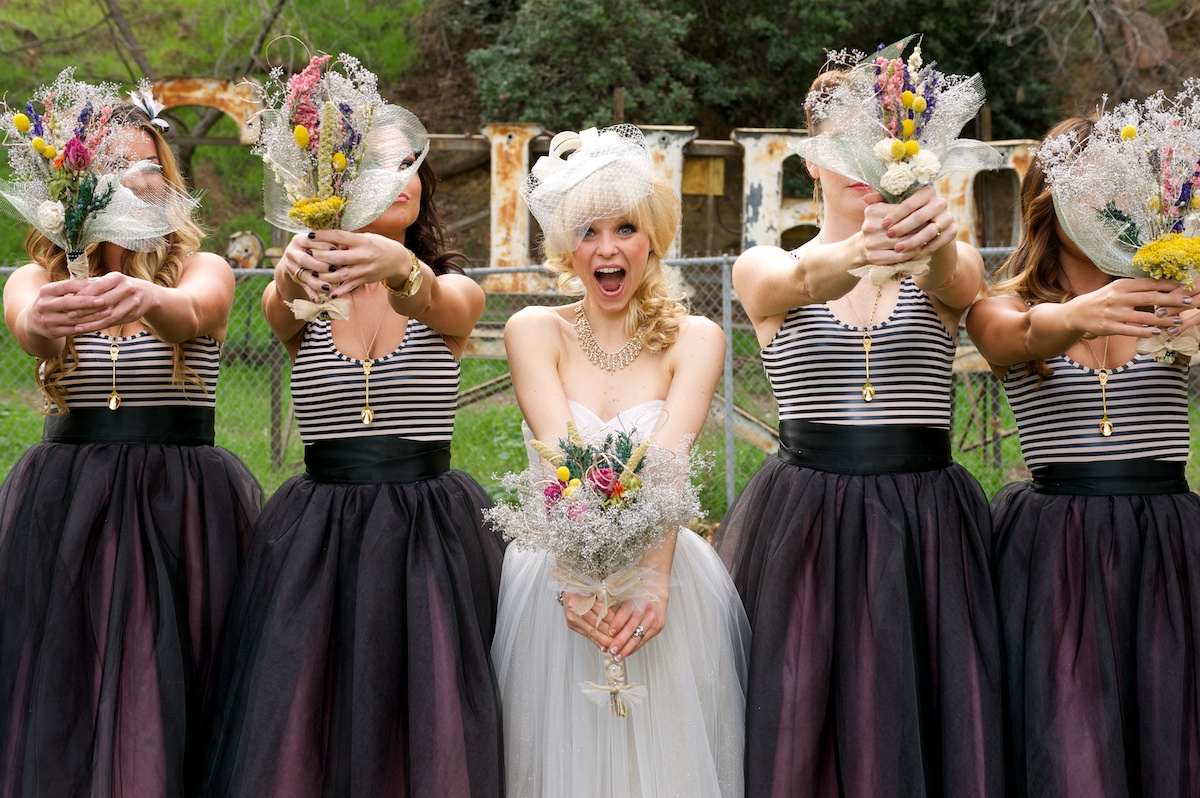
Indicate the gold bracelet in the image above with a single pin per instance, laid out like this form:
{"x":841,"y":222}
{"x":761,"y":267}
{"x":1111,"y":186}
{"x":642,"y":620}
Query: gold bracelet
{"x":412,"y":284}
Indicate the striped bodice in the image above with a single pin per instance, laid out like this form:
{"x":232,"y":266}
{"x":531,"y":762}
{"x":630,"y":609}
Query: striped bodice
{"x":1059,"y":421}
{"x":817,"y":368}
{"x":143,"y":373}
{"x":414,"y":389}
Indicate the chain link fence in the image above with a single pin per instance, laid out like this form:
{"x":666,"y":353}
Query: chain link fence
{"x":255,"y":420}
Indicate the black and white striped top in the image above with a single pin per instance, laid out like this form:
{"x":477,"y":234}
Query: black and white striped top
{"x":1059,"y":422}
{"x":143,"y":372}
{"x":414,"y":389}
{"x":817,"y":368}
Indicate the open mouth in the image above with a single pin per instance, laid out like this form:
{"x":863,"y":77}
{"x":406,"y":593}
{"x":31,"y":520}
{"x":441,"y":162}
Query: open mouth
{"x":610,"y":280}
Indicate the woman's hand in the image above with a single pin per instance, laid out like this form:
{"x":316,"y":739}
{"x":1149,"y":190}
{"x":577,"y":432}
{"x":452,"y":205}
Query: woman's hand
{"x":59,"y":308}
{"x":615,"y":630}
{"x":348,"y":260}
{"x":299,"y":275}
{"x":1139,"y":306}
{"x":915,"y":228}
{"x":119,"y":299}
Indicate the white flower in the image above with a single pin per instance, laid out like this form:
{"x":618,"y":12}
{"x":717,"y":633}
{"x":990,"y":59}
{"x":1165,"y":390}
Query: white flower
{"x":914,"y":60}
{"x":1191,"y":225}
{"x":883,"y":150}
{"x":51,"y":216}
{"x":925,"y":167}
{"x":897,"y":178}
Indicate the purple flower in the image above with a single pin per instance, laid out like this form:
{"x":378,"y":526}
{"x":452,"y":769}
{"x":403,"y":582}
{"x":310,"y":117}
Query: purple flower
{"x":76,"y":156}
{"x":36,"y":117}
{"x":602,"y":479}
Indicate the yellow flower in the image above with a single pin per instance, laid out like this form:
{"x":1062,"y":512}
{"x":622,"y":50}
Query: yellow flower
{"x":1171,"y":257}
{"x":1155,"y":204}
{"x":39,"y":144}
{"x":49,"y":152}
{"x":1128,"y":132}
{"x":907,"y":127}
{"x":1196,"y":201}
{"x":907,"y":99}
{"x":302,"y":137}
{"x":317,"y":214}
{"x":919,"y":105}
{"x":911,"y":147}
{"x":563,"y":473}
{"x":574,"y":483}
{"x":568,"y":490}
{"x":22,"y":123}
{"x":898,"y":149}
{"x":339,"y":162}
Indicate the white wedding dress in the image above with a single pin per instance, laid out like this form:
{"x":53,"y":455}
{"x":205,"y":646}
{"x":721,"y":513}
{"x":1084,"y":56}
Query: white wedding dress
{"x":684,"y":738}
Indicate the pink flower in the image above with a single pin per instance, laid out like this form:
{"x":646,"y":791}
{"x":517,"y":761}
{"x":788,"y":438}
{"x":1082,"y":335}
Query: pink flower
{"x":76,"y":156}
{"x":553,"y":492}
{"x":574,"y":511}
{"x":302,"y":83}
{"x":602,"y":479}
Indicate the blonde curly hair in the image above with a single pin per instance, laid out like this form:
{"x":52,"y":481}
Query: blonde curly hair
{"x":162,"y":266}
{"x":657,"y":303}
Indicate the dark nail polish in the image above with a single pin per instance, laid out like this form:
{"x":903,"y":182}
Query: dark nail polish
{"x":1172,"y":330}
{"x":1155,"y":331}
{"x":308,"y":252}
{"x":311,"y":234}
{"x":1187,"y":300}
{"x":332,"y":268}
{"x":1162,"y":311}
{"x":1177,"y":320}
{"x":324,"y":286}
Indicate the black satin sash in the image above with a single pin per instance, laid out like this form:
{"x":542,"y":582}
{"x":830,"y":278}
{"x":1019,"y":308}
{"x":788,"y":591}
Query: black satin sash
{"x":863,"y":448}
{"x":376,"y":459}
{"x":176,"y":425}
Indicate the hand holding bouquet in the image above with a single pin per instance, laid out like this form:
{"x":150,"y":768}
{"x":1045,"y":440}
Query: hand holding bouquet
{"x":337,"y":154}
{"x":73,"y":178}
{"x":1130,"y":196}
{"x":599,"y":509}
{"x":893,"y":123}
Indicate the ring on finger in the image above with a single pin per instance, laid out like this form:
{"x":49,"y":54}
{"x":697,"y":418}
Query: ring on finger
{"x":296,"y":276}
{"x":639,"y":632}
{"x":937,"y":227}
{"x":560,"y":598}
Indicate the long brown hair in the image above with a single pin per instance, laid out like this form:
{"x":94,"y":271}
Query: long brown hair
{"x":426,"y":236}
{"x":1032,"y":271}
{"x":162,"y":266}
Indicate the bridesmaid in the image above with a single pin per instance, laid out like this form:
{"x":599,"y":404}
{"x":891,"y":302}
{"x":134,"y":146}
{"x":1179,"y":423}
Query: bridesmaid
{"x":121,"y":533}
{"x":1096,"y":557}
{"x":860,"y":550}
{"x":357,"y":656}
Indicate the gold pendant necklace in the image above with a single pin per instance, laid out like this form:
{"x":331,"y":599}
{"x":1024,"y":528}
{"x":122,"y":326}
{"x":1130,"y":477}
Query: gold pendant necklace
{"x":609,"y":361}
{"x":366,"y":414}
{"x":868,"y":390}
{"x":114,"y":353}
{"x":1106,"y":426}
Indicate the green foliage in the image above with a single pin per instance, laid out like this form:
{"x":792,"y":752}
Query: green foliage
{"x":558,"y":63}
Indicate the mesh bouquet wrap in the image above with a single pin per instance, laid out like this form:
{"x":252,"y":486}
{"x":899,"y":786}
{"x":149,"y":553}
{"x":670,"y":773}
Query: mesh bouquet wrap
{"x":72,"y":176}
{"x":893,"y":124}
{"x":593,"y":174}
{"x":598,"y":509}
{"x":1129,"y":198}
{"x":337,"y":154}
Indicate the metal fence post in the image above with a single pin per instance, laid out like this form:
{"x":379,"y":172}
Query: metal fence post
{"x":727,"y":377}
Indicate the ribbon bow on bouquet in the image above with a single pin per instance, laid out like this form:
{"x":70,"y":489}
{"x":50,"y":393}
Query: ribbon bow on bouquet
{"x":893,"y":123}
{"x":1130,"y":196}
{"x":337,"y":154}
{"x":74,"y":176}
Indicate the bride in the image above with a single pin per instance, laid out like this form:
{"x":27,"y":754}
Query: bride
{"x":627,"y":356}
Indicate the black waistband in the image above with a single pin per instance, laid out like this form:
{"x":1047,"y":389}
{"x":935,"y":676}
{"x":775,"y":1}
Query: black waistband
{"x":864,"y":448}
{"x":176,"y":425}
{"x":1111,"y":478}
{"x":379,"y":458}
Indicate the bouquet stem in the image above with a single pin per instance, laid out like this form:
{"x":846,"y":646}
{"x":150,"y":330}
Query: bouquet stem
{"x":614,"y":673}
{"x":77,"y":264}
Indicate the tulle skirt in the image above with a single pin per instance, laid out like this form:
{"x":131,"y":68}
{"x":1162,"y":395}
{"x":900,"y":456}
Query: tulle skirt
{"x":356,"y":661}
{"x":117,"y":565}
{"x":1100,"y":614}
{"x":875,"y":668}
{"x":684,"y":738}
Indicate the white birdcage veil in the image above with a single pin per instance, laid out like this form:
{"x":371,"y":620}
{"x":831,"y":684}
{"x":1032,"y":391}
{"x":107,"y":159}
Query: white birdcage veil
{"x":590,"y":175}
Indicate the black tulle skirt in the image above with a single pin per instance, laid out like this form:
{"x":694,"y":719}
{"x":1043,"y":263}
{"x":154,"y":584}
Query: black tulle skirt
{"x":117,"y":565}
{"x":875,"y":663}
{"x":1100,"y":614}
{"x":357,"y":656}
